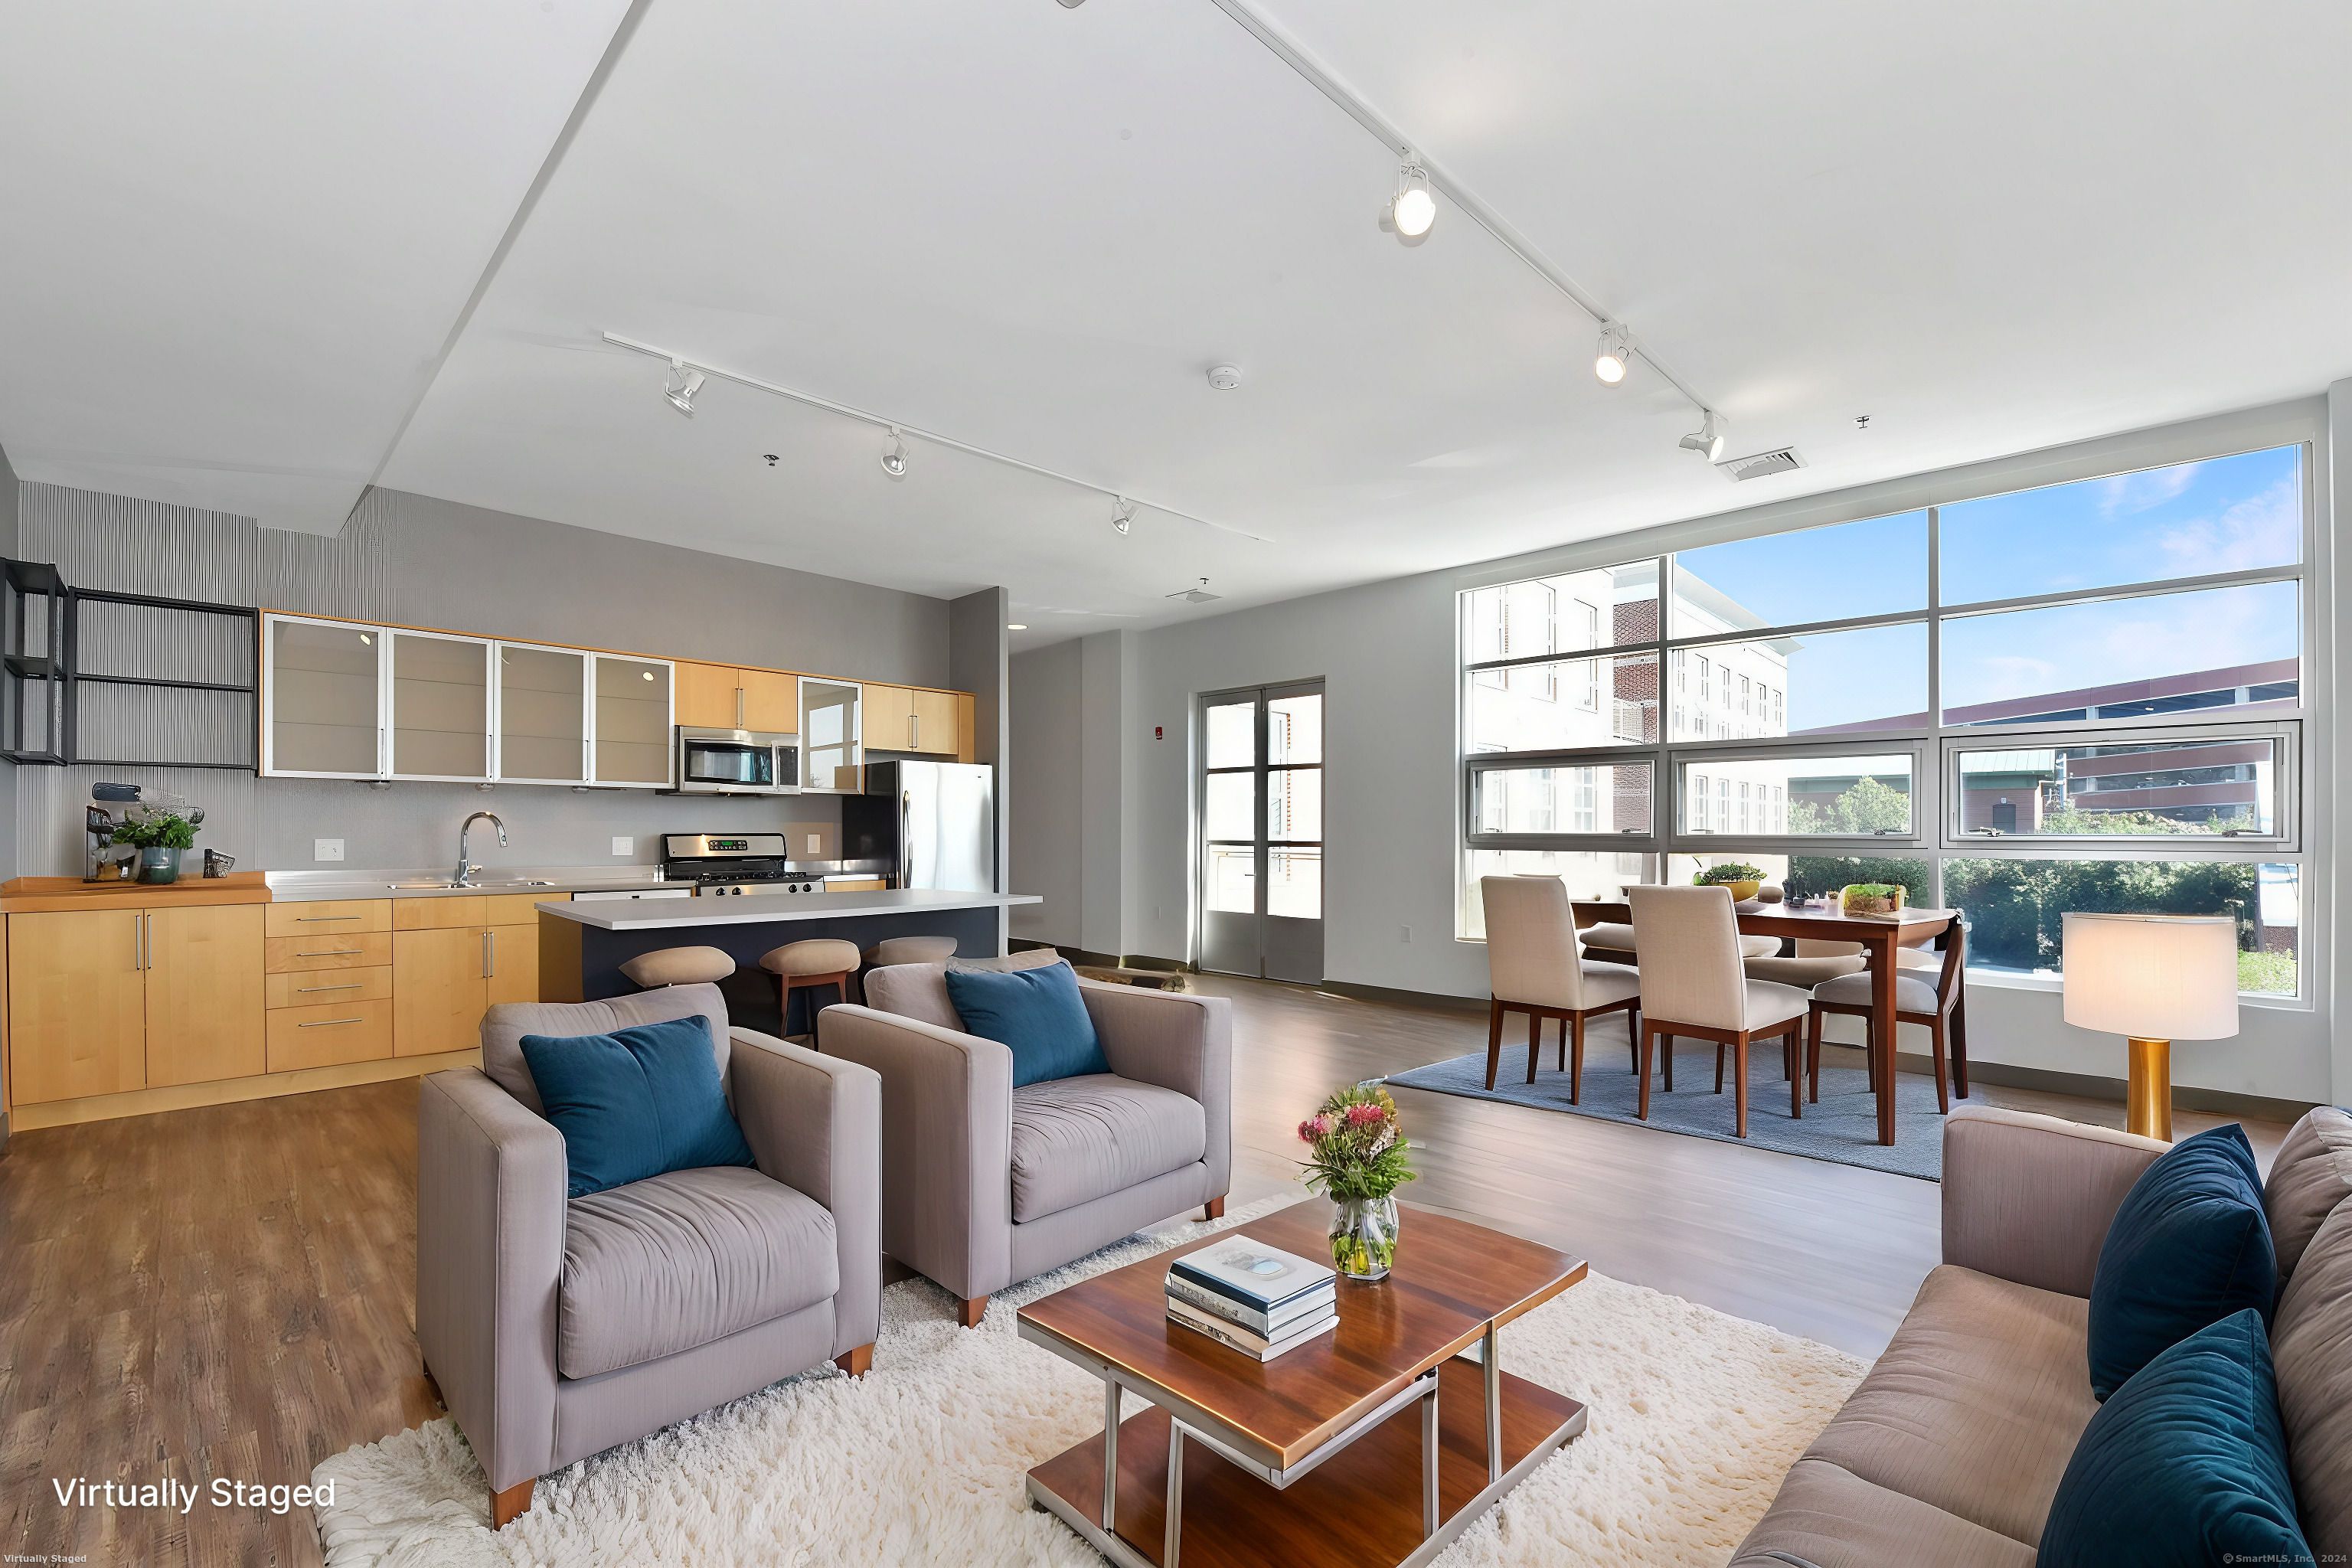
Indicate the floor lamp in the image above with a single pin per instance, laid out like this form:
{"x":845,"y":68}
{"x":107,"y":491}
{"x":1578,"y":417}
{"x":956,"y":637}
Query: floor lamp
{"x":2153,"y":979}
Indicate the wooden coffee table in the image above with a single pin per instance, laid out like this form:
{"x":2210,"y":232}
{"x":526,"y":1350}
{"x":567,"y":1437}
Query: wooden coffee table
{"x":1316,"y":1457}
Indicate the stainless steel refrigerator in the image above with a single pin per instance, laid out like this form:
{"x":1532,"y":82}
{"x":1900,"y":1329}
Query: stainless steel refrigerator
{"x":942,"y":818}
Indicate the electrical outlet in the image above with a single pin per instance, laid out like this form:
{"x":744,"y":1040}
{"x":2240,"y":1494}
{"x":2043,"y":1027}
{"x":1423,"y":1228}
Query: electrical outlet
{"x":815,"y":843}
{"x":326,"y":849}
{"x":1404,"y":934}
{"x":622,"y":846}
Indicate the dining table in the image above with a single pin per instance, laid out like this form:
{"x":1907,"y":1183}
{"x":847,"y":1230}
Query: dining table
{"x":1880,"y":936}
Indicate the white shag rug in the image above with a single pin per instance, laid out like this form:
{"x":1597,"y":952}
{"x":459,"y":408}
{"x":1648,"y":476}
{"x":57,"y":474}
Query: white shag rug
{"x":1695,"y":1417}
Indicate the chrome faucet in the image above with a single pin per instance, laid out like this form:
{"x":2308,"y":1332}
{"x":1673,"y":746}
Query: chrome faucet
{"x":466,"y":867}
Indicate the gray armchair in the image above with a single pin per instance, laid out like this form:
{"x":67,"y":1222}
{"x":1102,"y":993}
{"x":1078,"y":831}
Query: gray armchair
{"x":556,"y":1330}
{"x":984,"y":1183}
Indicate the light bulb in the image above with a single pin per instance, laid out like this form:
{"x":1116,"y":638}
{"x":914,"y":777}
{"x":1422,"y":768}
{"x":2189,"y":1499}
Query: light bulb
{"x":680,"y":387}
{"x":1615,"y":353}
{"x":894,"y":456}
{"x":1414,"y":211}
{"x":1016,"y":625}
{"x":1708,"y":439}
{"x":648,"y":674}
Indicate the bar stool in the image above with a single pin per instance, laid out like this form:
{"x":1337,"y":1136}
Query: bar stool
{"x":678,"y":966}
{"x":909,"y":949}
{"x":803,"y":965}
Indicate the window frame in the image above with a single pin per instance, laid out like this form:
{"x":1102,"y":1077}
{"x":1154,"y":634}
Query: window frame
{"x":2286,"y":779}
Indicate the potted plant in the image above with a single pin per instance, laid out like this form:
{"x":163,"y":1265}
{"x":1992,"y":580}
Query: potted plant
{"x":1745,"y":881}
{"x":1871,"y":898}
{"x":1358,"y":1161}
{"x":159,"y":836}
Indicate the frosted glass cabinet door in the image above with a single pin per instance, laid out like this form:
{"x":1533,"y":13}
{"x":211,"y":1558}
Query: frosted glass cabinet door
{"x":632,"y":744}
{"x":440,"y":707}
{"x":542,"y":731}
{"x":830,"y":734}
{"x":325,"y":696}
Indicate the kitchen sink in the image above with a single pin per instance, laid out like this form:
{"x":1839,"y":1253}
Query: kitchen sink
{"x":478,"y":886}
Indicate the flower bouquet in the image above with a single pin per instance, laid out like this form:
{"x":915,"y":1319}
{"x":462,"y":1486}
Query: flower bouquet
{"x":1358,"y":1161}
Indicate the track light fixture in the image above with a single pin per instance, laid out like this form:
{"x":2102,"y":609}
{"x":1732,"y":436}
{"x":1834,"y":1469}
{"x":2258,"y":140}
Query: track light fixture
{"x":1413,"y":208}
{"x":1708,"y":439}
{"x":1123,"y":515}
{"x":681,"y":386}
{"x":894,"y":456}
{"x":1615,"y":353}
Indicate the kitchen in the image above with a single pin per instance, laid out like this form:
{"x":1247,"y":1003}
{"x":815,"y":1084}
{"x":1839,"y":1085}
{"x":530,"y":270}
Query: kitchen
{"x":127,"y":997}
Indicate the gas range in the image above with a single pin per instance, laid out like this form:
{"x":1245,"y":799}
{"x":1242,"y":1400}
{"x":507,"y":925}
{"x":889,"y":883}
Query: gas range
{"x":722,"y":865}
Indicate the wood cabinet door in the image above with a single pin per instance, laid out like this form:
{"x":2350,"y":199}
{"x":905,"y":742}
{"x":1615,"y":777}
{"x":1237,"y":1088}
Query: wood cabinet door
{"x":706,"y":697}
{"x":888,"y":716}
{"x":934,"y":721}
{"x":204,"y":994}
{"x":514,"y":964}
{"x":772,"y":701}
{"x":77,"y":1004}
{"x":439,"y":990}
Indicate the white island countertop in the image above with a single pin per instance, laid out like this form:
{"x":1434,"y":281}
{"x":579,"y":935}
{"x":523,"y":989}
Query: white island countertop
{"x":661,"y":914}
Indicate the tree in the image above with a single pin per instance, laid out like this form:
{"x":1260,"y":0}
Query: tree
{"x":1868,"y":807}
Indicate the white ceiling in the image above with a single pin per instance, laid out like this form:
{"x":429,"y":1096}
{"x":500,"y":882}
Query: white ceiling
{"x":1033,"y":229}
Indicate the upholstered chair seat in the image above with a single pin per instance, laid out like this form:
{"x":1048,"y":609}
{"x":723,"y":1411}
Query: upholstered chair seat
{"x":909,"y":949}
{"x":1079,"y":1138}
{"x":1692,"y":984}
{"x":823,"y":955}
{"x":1912,"y":994}
{"x":1609,"y":939}
{"x":678,"y":966}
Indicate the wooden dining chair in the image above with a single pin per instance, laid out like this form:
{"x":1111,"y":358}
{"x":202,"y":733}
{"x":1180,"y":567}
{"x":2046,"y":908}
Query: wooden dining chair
{"x":1534,"y":967}
{"x":1940,"y":1009}
{"x":1692,"y":985}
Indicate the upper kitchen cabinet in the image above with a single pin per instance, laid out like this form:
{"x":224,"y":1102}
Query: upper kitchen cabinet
{"x":542,"y":728}
{"x":631,"y":740}
{"x":830,"y":736}
{"x":909,"y":719}
{"x":440,"y":706}
{"x":323,"y":695}
{"x":723,"y":696}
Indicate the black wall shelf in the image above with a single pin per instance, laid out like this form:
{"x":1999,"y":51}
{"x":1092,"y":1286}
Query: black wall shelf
{"x":44,"y":683}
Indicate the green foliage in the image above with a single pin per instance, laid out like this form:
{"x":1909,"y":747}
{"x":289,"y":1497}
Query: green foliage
{"x":2015,"y":906}
{"x":1815,"y":875}
{"x":2267,"y":972}
{"x":1716,"y":875}
{"x":2151,"y":824}
{"x":1876,"y":889}
{"x":161,"y":830}
{"x":1868,"y":807}
{"x":1358,"y":1150}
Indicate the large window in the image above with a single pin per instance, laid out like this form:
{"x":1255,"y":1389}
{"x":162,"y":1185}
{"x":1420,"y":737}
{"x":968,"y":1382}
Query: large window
{"x":2087,"y":696}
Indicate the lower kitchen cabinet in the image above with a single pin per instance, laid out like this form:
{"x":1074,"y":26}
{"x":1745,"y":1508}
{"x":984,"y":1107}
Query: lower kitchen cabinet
{"x":451,"y":959}
{"x":328,"y":1034}
{"x":204,"y":992}
{"x":514,"y":964}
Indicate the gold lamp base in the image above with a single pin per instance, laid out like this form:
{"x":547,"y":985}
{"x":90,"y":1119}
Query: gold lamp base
{"x":2148,"y":1102}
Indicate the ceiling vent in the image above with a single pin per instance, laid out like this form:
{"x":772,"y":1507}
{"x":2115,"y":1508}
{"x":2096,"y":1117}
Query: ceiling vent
{"x":1761,"y":464}
{"x":1199,"y":596}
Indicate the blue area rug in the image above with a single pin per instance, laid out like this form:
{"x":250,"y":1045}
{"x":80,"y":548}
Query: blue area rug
{"x":1841,"y":1127}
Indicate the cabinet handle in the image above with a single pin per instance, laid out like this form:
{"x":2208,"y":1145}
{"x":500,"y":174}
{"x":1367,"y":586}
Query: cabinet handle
{"x":738,"y":708}
{"x":329,"y":1023}
{"x":332,"y":952}
{"x":914,"y":732}
{"x":490,"y":954}
{"x":311,"y":920}
{"x":306,"y":989}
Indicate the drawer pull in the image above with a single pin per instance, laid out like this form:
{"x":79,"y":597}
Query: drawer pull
{"x":332,"y":952}
{"x":326,"y":1023}
{"x":353,"y":986}
{"x":308,"y":920}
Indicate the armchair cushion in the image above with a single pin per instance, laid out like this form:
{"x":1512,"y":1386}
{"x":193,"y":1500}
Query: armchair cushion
{"x":635,"y":1103}
{"x":1079,"y":1138}
{"x":683,"y":1258}
{"x":505,"y":1024}
{"x":1037,"y":1015}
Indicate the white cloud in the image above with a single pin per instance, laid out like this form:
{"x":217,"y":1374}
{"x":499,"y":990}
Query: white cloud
{"x":2126,"y":493}
{"x":2261,"y":530}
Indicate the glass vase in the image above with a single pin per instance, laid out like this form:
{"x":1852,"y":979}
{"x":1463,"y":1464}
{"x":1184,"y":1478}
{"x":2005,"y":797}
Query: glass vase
{"x":1364,"y":1237}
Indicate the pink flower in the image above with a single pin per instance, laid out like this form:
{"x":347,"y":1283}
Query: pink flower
{"x":1314,"y":1126}
{"x":1365,"y":1115}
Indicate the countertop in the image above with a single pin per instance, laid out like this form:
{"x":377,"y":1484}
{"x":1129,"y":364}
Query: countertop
{"x":546,"y":881}
{"x":670,"y":914}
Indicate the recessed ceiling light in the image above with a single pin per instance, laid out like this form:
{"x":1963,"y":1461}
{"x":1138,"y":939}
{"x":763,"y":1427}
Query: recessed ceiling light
{"x":1016,"y":625}
{"x":894,"y":456}
{"x":1708,"y":439}
{"x":681,"y":386}
{"x":1614,"y":354}
{"x":1413,"y":209}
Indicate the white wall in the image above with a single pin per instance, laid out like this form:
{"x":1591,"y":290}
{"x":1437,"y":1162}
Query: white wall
{"x":1393,"y":809}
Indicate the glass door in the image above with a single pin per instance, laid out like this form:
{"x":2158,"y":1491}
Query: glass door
{"x":1261,"y":815}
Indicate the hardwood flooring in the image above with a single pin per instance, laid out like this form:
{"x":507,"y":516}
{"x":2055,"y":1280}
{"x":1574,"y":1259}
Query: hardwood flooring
{"x":227,"y":1292}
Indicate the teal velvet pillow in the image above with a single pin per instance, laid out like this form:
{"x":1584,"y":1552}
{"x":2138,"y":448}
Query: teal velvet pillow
{"x":1036,"y":1011}
{"x":2186,"y":1463}
{"x":634,"y":1103}
{"x":2188,"y":1247}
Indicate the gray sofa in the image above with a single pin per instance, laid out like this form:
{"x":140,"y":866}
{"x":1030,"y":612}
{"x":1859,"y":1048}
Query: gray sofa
{"x":984,"y":1183}
{"x":1951,"y":1449}
{"x":556,"y":1330}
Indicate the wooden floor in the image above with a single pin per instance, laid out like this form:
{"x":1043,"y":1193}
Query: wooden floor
{"x":227,"y":1292}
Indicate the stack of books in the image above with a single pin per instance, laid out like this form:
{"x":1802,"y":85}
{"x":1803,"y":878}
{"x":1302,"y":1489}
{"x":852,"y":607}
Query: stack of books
{"x":1259,"y":1299}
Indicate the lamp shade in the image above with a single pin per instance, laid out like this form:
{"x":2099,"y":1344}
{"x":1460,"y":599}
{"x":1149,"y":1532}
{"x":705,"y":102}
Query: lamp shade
{"x":2155,"y":977}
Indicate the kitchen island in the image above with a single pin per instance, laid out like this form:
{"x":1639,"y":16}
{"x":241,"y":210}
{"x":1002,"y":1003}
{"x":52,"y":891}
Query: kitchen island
{"x":582,"y":946}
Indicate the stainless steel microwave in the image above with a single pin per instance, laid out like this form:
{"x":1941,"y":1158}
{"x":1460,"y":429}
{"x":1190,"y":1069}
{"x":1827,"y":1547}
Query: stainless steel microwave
{"x":737,"y":762}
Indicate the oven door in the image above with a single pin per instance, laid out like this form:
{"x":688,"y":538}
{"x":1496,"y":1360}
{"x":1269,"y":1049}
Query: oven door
{"x":709,"y":766}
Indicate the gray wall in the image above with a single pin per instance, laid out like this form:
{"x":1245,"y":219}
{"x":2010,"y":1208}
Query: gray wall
{"x":1049,"y":811}
{"x":416,"y":561}
{"x":977,"y":655}
{"x":1393,"y":808}
{"x":8,"y":508}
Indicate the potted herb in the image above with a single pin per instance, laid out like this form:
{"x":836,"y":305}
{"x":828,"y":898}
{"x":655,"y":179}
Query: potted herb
{"x":159,"y":836}
{"x":1745,"y":881}
{"x":1883,"y":898}
{"x":1358,"y":1162}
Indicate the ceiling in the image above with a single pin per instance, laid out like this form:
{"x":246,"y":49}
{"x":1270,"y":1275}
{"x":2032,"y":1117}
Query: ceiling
{"x":268,"y":266}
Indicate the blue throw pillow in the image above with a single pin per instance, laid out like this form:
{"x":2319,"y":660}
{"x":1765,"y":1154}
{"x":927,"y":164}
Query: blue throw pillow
{"x":2186,"y":1463}
{"x":2188,"y":1247}
{"x":1038,"y":1013}
{"x":634,"y":1103}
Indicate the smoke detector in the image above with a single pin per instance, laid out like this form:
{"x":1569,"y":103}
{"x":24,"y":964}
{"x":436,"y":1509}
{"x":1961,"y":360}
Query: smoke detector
{"x":1199,"y":596}
{"x":1224,"y":377}
{"x":1755,"y":467}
